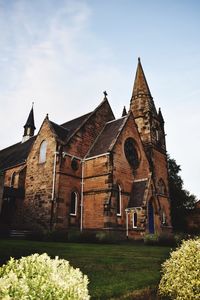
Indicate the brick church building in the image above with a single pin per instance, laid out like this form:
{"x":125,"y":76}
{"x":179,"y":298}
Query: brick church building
{"x":94,"y":172}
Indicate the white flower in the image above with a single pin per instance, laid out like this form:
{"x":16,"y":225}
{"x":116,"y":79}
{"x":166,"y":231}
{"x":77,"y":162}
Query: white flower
{"x":181,"y":272}
{"x":40,"y":277}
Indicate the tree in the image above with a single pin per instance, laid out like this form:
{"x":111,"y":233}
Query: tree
{"x":181,"y":200}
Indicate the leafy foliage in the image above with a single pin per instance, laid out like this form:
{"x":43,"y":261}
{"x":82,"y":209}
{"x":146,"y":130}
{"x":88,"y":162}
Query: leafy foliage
{"x":181,"y":200}
{"x":181,"y":272}
{"x":104,"y":264}
{"x":40,"y":277}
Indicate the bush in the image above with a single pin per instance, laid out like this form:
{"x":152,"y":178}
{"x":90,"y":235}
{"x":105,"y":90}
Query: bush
{"x":181,"y":272}
{"x":40,"y":277}
{"x":151,"y":239}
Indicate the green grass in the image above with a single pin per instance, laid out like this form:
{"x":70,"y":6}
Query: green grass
{"x":113,"y":270}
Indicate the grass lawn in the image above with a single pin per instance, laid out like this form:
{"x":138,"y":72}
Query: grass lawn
{"x":113,"y":270}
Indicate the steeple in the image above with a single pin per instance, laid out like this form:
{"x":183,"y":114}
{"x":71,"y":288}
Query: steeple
{"x":140,"y":86}
{"x":29,"y":127}
{"x":160,"y":117}
{"x":141,"y":100}
{"x":150,"y":123}
{"x":124,"y":112}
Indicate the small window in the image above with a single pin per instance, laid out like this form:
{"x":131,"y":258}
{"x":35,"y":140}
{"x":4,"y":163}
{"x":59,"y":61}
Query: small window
{"x":157,"y":135}
{"x":43,"y":152}
{"x":73,"y":204}
{"x":134,"y":220}
{"x":161,"y":187}
{"x":119,"y":201}
{"x":164,"y":219}
{"x":12,"y":180}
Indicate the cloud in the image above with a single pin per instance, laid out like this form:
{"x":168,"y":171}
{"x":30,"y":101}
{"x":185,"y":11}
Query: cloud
{"x":50,"y":53}
{"x":50,"y":63}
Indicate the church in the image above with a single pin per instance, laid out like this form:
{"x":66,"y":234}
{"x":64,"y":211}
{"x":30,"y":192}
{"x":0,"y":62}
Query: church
{"x":94,"y":172}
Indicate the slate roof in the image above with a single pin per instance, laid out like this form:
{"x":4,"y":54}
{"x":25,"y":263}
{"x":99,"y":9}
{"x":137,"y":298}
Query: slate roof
{"x":66,"y":130}
{"x":18,"y":153}
{"x":137,"y":194}
{"x":15,"y":154}
{"x":61,"y":132}
{"x":107,"y":137}
{"x":30,"y":121}
{"x":72,"y":125}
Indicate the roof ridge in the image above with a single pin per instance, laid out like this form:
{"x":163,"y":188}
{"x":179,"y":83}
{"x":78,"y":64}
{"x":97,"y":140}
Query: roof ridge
{"x":34,"y":136}
{"x":89,"y":115}
{"x":75,"y":119}
{"x":58,"y":125}
{"x":116,"y":119}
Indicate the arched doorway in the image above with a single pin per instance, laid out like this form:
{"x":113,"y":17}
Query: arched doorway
{"x":151,"y":217}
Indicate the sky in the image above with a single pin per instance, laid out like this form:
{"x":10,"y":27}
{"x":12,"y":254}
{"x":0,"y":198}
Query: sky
{"x":62,"y":55}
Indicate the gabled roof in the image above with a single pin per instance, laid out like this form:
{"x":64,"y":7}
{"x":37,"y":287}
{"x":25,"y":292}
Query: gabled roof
{"x":137,"y":193}
{"x":15,"y":154}
{"x":75,"y":125}
{"x":107,"y":137}
{"x":61,"y":132}
{"x":72,"y":125}
{"x":18,"y":153}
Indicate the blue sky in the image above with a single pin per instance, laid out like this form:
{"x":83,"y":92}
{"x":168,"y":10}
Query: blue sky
{"x":63,"y":54}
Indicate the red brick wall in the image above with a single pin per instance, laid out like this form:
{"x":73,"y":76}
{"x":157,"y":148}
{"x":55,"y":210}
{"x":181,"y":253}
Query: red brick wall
{"x":85,"y":137}
{"x":71,"y":180}
{"x":123,"y":174}
{"x":96,"y":190}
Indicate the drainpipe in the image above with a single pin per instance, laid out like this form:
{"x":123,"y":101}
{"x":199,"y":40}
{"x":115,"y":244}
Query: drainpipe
{"x":53,"y":190}
{"x":1,"y":189}
{"x":82,"y":190}
{"x":126,"y":224}
{"x":54,"y":176}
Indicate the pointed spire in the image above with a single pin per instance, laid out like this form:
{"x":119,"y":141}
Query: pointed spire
{"x":30,"y":121}
{"x":124,"y":113}
{"x":141,"y":100}
{"x":160,"y":116}
{"x":29,"y":127}
{"x":140,"y":86}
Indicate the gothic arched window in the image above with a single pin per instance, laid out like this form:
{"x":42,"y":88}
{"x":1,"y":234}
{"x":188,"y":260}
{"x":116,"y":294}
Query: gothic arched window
{"x":12,"y":180}
{"x":43,"y":152}
{"x":163,"y":216}
{"x":119,"y":201}
{"x":73,"y":203}
{"x":134,"y":219}
{"x":161,"y":187}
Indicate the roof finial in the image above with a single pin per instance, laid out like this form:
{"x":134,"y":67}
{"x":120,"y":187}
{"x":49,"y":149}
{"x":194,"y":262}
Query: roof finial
{"x":138,"y":59}
{"x":124,"y":112}
{"x":32,"y":104}
{"x":47,"y":116}
{"x":29,"y":127}
{"x":105,"y":94}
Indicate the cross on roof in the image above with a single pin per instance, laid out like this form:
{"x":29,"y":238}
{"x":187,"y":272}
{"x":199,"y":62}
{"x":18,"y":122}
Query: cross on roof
{"x":105,"y":94}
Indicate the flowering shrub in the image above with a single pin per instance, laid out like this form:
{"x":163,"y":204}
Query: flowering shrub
{"x":151,"y":239}
{"x":181,"y":272}
{"x":40,"y":277}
